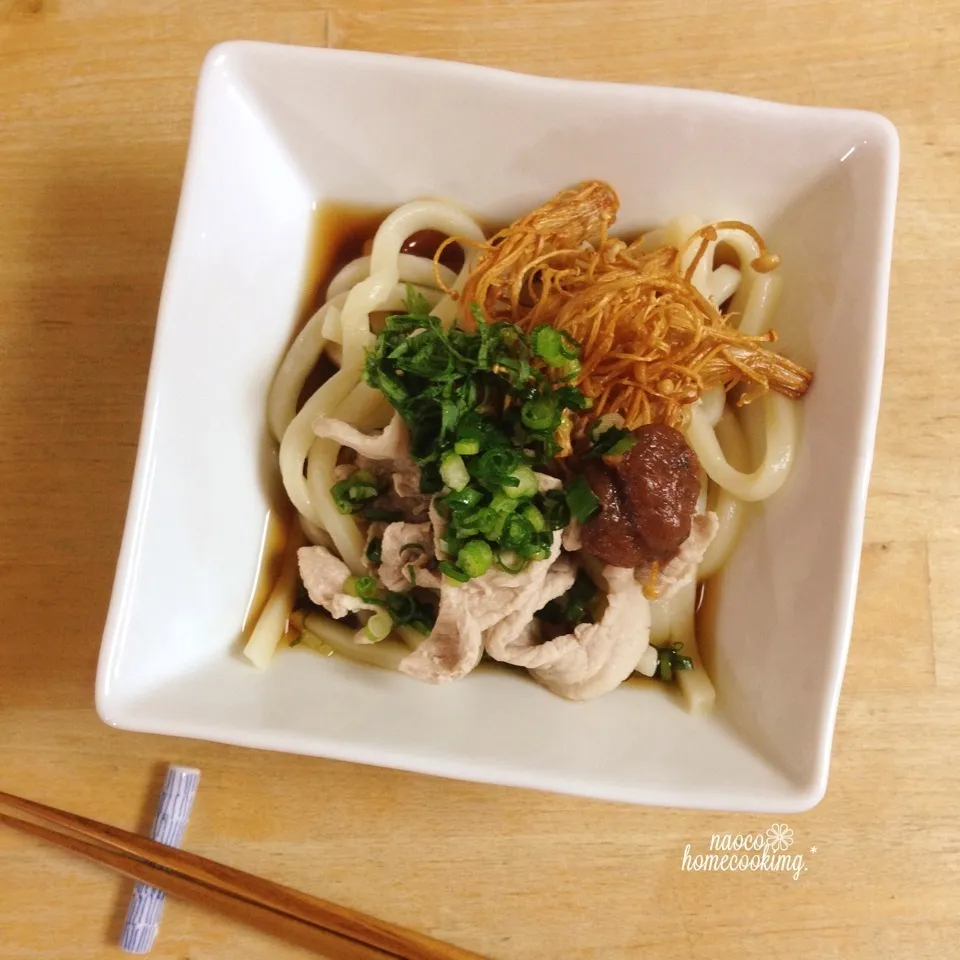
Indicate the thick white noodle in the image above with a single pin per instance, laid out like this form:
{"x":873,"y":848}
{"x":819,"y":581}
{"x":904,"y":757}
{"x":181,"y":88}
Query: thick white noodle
{"x":334,"y":353}
{"x":341,"y":639}
{"x":716,"y":436}
{"x":674,"y":621}
{"x":415,"y":270}
{"x":769,"y":476}
{"x":729,"y":509}
{"x":272,"y":622}
{"x":301,"y":358}
{"x":314,"y":534}
{"x":347,"y":539}
{"x":333,"y":326}
{"x":712,"y":404}
{"x":659,"y":622}
{"x":674,"y":233}
{"x":759,"y":305}
{"x":753,"y":301}
{"x":723,"y":283}
{"x":695,"y":684}
{"x":378,"y":282}
{"x":344,"y":395}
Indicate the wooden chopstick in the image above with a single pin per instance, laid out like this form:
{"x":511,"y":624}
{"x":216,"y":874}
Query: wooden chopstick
{"x":339,"y":932}
{"x":268,"y":921}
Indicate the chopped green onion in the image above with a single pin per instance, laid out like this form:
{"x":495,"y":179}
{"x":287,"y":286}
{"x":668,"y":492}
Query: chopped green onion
{"x":485,"y":520}
{"x":670,"y":660}
{"x":374,"y":551}
{"x":535,"y":518}
{"x":470,"y":429}
{"x":463,"y":499}
{"x":533,"y":551}
{"x":540,"y":414}
{"x":554,"y":346}
{"x":509,"y":562}
{"x":612,"y":442}
{"x":568,"y":370}
{"x":579,"y":597}
{"x":569,"y":346}
{"x":581,"y":499}
{"x":467,"y":528}
{"x":364,"y":477}
{"x":555,"y":511}
{"x":350,"y":586}
{"x":482,"y":413}
{"x":573,"y":606}
{"x":602,"y":424}
{"x":493,"y":468}
{"x":475,"y":558}
{"x":503,"y":503}
{"x":453,"y":572}
{"x":403,"y":608}
{"x":495,"y":531}
{"x":451,"y":545}
{"x":621,"y":446}
{"x":454,"y":471}
{"x":547,"y":344}
{"x":351,"y":494}
{"x":517,"y":532}
{"x":526,"y":484}
{"x":364,"y":587}
{"x":569,"y":398}
{"x":378,"y":626}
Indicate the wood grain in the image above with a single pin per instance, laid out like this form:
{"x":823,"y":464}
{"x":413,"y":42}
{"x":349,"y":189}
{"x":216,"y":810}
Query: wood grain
{"x":95,"y":99}
{"x":295,"y":917}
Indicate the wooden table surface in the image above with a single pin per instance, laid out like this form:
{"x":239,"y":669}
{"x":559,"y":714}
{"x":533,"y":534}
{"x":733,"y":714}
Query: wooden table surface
{"x":95,"y":101}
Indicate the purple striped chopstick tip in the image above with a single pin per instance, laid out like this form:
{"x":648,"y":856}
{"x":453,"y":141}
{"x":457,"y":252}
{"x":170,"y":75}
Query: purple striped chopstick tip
{"x":146,"y":905}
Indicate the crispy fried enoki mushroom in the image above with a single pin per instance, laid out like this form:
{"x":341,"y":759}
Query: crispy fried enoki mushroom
{"x":651,"y":342}
{"x":578,"y":215}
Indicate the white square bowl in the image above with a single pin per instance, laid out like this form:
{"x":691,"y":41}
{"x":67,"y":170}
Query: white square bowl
{"x":279,"y":129}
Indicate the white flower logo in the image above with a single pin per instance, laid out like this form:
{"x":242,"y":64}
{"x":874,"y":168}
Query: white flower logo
{"x":779,"y":837}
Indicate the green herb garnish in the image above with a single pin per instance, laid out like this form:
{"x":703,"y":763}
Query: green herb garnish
{"x":554,"y":346}
{"x":374,"y":550}
{"x":453,"y":572}
{"x":482,"y":389}
{"x":474,"y":558}
{"x":509,"y":562}
{"x":581,"y":499}
{"x":553,"y":506}
{"x":612,"y":443}
{"x":352,"y":494}
{"x":572,"y":608}
{"x":404,"y":609}
{"x":670,"y":660}
{"x":482,"y":408}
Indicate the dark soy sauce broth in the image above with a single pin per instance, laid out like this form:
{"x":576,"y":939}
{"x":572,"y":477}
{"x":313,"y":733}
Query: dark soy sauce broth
{"x":341,"y":233}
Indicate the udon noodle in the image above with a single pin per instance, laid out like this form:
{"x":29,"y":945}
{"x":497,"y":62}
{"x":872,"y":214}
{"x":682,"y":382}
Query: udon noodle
{"x":674,"y":328}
